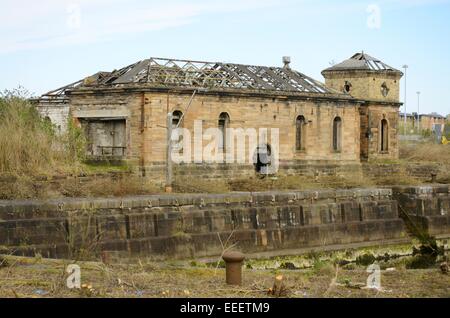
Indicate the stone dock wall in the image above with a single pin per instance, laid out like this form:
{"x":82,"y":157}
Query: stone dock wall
{"x":428,"y":207}
{"x":184,"y":226}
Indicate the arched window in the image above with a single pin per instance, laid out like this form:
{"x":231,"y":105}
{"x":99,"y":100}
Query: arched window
{"x":337,"y":133}
{"x":384,"y":136}
{"x":300,"y":123}
{"x":177,"y":117}
{"x":347,"y":87}
{"x":224,"y":122}
{"x":384,"y":89}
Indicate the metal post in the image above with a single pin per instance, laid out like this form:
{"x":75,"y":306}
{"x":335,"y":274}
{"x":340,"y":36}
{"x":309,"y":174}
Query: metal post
{"x":169,"y":171}
{"x":233,"y":267}
{"x":418,"y":112}
{"x":404,"y":128}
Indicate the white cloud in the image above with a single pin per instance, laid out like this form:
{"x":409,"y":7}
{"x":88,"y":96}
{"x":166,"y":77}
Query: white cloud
{"x":51,"y":23}
{"x":413,"y":3}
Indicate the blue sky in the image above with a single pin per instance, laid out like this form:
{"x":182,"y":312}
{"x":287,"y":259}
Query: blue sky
{"x":49,"y":43}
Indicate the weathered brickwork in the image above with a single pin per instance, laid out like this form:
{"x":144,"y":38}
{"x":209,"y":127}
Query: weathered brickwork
{"x":146,"y":116}
{"x":113,"y":105}
{"x":420,"y":171}
{"x":428,"y":207}
{"x":190,"y":225}
{"x":250,"y":112}
{"x":371,"y":133}
{"x":57,"y":113}
{"x":352,"y":118}
{"x":366,"y":85}
{"x":378,"y":84}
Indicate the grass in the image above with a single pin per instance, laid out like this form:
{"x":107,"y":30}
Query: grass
{"x":92,"y":186}
{"x":425,"y":152}
{"x":109,"y":181}
{"x":37,"y":277}
{"x":29,"y":144}
{"x":255,"y":184}
{"x":104,"y":167}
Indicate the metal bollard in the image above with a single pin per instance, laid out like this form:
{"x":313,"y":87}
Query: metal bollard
{"x":433,"y":177}
{"x":233,"y":265}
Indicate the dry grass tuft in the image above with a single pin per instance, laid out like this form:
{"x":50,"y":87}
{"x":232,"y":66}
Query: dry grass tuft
{"x":255,"y":184}
{"x":199,"y":185}
{"x":95,"y":186}
{"x":425,"y":152}
{"x":29,"y":144}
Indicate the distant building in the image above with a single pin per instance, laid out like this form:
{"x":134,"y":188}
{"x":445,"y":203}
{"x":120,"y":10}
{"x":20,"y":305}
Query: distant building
{"x":411,"y":118}
{"x":432,"y":122}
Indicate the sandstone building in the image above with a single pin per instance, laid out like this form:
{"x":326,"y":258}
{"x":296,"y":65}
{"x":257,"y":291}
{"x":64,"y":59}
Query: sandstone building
{"x":351,"y":118}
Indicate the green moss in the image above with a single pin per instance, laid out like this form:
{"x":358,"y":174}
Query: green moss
{"x":365,"y":259}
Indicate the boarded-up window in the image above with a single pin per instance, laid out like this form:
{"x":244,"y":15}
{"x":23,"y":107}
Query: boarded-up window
{"x":384,"y":136}
{"x":300,"y":133}
{"x":224,"y":122}
{"x":105,"y":137}
{"x":337,"y":134}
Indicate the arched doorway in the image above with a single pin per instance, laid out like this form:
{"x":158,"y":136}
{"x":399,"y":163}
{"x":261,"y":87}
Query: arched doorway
{"x":263,"y":159}
{"x":177,"y":122}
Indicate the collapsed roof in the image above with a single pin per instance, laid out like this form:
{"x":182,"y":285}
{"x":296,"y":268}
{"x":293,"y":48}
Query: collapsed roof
{"x":171,"y":73}
{"x":362,"y":61}
{"x":59,"y":93}
{"x":210,"y":75}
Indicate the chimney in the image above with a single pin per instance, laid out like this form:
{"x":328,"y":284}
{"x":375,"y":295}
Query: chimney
{"x":286,"y":62}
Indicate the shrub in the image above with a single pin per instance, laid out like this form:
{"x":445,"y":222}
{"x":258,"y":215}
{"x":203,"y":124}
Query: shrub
{"x":29,"y":144}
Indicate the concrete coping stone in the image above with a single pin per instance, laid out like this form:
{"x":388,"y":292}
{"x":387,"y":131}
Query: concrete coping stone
{"x":203,"y":200}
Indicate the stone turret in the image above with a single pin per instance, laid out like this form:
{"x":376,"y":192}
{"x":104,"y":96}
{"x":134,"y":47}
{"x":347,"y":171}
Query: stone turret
{"x":377,"y":85}
{"x":365,"y":77}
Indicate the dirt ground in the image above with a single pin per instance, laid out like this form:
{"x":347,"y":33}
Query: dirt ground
{"x":307,"y":276}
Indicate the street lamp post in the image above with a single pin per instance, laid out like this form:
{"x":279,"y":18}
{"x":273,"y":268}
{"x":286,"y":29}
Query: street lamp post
{"x":418,"y":112}
{"x":404,"y":128}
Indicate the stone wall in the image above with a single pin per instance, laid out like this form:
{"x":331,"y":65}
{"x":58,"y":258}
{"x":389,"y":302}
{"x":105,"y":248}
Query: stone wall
{"x":365,"y":85}
{"x":427,"y":206}
{"x":146,"y":116}
{"x":238,"y":171}
{"x":113,"y":105}
{"x":256,"y":113}
{"x":421,"y":171}
{"x":373,"y":114}
{"x":197,"y":225}
{"x":57,"y":112}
